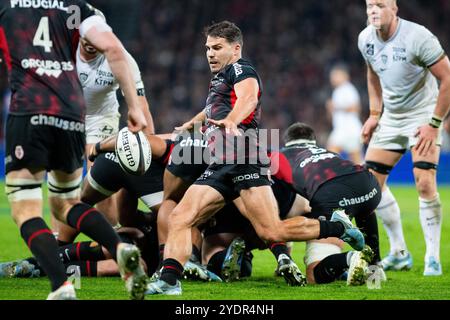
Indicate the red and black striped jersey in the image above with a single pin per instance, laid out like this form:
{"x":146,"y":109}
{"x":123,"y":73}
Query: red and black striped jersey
{"x":307,"y":166}
{"x":221,"y":101}
{"x":42,"y":38}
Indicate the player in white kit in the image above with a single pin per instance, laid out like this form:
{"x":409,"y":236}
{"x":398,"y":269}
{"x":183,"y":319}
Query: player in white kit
{"x":404,"y":62}
{"x":344,"y":107}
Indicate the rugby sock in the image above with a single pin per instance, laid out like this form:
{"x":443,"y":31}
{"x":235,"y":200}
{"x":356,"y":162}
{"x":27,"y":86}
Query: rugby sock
{"x":44,"y":247}
{"x":93,"y":224}
{"x":331,"y":268}
{"x":247,"y":265}
{"x":172,"y":271}
{"x":278,"y":248}
{"x":85,"y":268}
{"x":389,"y":213}
{"x":88,"y":250}
{"x":330,"y":229}
{"x":368,"y":225}
{"x":431,"y":220}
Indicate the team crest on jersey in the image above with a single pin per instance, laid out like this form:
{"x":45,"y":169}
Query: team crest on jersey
{"x":19,"y":153}
{"x":370,"y":49}
{"x":83,"y":77}
{"x":384,"y":59}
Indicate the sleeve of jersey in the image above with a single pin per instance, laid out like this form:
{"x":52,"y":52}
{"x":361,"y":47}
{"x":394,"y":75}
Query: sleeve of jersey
{"x":136,"y":72}
{"x":428,"y":49}
{"x":361,"y":46}
{"x":240,"y":72}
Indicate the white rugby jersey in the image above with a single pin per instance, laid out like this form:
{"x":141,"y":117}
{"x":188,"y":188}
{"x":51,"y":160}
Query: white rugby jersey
{"x":344,"y":97}
{"x":401,"y":64}
{"x":100,"y":85}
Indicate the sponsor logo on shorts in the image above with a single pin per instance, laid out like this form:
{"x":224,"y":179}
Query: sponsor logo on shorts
{"x":358,"y":200}
{"x":19,"y":153}
{"x":205,"y":175}
{"x":66,"y":125}
{"x":246,"y":177}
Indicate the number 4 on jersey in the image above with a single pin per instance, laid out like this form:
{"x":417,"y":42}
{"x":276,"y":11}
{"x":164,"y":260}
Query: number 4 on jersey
{"x":42,"y":36}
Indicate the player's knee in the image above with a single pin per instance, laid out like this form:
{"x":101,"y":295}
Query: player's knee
{"x":62,"y":195}
{"x":425,"y":178}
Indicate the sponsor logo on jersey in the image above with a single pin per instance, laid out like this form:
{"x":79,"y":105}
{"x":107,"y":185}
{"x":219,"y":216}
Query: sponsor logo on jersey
{"x":358,"y":200}
{"x":246,"y":177}
{"x":47,"y":67}
{"x":370,"y":49}
{"x":237,"y":69}
{"x":36,"y":4}
{"x":316,"y":158}
{"x":399,"y":54}
{"x":67,"y":125}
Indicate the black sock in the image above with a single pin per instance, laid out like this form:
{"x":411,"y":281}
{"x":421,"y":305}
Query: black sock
{"x":92,"y":223}
{"x":196,"y":254}
{"x":44,"y":247}
{"x":216,"y":262}
{"x":87,"y":268}
{"x":81,"y":251}
{"x":330,"y":229}
{"x":331,"y":268}
{"x":368,"y":225}
{"x":172,"y":271}
{"x":279,"y":248}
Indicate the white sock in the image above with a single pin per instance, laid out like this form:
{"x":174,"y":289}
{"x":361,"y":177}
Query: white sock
{"x":389,"y":213}
{"x":431,"y":220}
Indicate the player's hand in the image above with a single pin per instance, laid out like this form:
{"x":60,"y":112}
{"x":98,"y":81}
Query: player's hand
{"x":187,"y":126}
{"x":427,"y":139}
{"x":230,"y":126}
{"x":136,"y":119}
{"x":369,"y":127}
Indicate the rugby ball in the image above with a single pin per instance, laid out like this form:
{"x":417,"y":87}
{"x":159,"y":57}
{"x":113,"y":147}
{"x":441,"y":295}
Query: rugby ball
{"x":133,"y":152}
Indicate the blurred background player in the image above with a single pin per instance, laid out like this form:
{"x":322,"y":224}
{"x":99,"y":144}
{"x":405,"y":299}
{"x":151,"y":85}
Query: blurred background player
{"x":345,"y":108}
{"x":48,"y":110}
{"x":405,"y":61}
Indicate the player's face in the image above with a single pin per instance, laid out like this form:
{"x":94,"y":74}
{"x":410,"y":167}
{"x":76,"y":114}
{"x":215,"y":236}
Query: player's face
{"x":220,"y":53}
{"x":381,"y":13}
{"x":87,"y":47}
{"x":338,"y":77}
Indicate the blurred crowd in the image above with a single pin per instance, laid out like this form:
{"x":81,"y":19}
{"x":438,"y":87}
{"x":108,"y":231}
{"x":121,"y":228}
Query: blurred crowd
{"x":293,"y":45}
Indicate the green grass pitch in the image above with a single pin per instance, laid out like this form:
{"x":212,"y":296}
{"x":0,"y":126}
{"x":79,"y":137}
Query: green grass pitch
{"x":262,"y":285}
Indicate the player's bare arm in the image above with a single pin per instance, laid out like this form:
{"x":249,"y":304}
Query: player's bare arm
{"x":247,"y":100}
{"x":108,"y":44}
{"x":428,"y":134}
{"x":199,"y":118}
{"x":150,"y":128}
{"x":375,"y":102}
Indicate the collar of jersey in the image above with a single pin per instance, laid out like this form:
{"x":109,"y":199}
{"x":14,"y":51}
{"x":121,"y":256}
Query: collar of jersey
{"x":300,"y":141}
{"x":393,"y":36}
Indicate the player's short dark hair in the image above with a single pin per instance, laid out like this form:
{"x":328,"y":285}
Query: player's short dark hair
{"x":227,"y":30}
{"x":297,"y":131}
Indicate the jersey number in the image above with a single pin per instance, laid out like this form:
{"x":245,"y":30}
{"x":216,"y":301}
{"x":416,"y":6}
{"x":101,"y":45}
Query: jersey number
{"x":42,"y":36}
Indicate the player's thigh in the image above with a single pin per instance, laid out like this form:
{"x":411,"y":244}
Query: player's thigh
{"x":261,"y":208}
{"x":23,"y":188}
{"x":299,"y":207}
{"x":425,"y":169}
{"x":199,"y":203}
{"x":380,"y":162}
{"x":174,"y":186}
{"x":63,"y":191}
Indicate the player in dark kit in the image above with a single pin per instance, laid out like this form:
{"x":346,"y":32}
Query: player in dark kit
{"x":45,"y":130}
{"x":329,"y":183}
{"x":233,"y":108}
